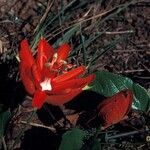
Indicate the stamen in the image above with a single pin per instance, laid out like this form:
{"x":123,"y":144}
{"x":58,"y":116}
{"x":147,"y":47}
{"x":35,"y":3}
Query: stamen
{"x":46,"y":85}
{"x":69,"y":66}
{"x":55,"y":56}
{"x":65,"y":71}
{"x":47,"y":64}
{"x":63,"y":62}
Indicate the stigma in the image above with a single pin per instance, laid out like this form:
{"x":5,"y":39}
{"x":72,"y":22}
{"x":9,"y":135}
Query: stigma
{"x":46,"y":85}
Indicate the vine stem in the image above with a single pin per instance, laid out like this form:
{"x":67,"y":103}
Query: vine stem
{"x":23,"y":129}
{"x":51,"y":115}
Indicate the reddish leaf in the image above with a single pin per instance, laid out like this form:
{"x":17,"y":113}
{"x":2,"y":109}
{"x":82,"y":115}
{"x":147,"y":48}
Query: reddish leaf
{"x":114,"y":109}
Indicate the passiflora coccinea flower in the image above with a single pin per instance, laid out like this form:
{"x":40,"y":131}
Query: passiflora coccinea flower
{"x":115,"y":108}
{"x":48,"y":77}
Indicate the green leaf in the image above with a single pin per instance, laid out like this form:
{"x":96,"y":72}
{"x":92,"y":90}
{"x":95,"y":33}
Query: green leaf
{"x":108,"y":84}
{"x":4,"y":117}
{"x":141,"y":98}
{"x":72,"y":140}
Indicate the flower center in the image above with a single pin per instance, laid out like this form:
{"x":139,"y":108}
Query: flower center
{"x":46,"y":85}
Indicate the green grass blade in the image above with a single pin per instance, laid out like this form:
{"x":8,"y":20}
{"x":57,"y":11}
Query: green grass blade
{"x":83,"y":46}
{"x":106,"y":48}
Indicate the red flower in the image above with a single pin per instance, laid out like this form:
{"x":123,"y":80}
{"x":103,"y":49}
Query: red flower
{"x":115,"y":108}
{"x":47,"y":77}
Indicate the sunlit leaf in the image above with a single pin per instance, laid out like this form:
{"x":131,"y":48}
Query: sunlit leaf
{"x":108,"y":84}
{"x":141,"y":98}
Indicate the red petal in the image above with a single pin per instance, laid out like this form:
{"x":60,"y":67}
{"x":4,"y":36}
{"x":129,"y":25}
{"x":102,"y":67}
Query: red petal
{"x":47,"y":73}
{"x":69,"y":75}
{"x":25,"y":54}
{"x":61,"y":99}
{"x":27,"y":80}
{"x":38,"y":99}
{"x":26,"y":62}
{"x":72,"y":84}
{"x":63,"y":52}
{"x":36,"y":75}
{"x":45,"y":53}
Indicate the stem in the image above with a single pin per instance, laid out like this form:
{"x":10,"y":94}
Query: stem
{"x":39,"y":125}
{"x":50,"y":113}
{"x":127,"y":134}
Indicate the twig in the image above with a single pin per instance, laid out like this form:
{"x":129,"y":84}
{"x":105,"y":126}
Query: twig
{"x":127,"y":134}
{"x":6,"y":21}
{"x":141,"y":146}
{"x":22,"y":131}
{"x":38,"y":125}
{"x":131,"y":71}
{"x":119,"y":32}
{"x":145,"y":78}
{"x":132,"y":50}
{"x":145,"y":67}
{"x":4,"y":143}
